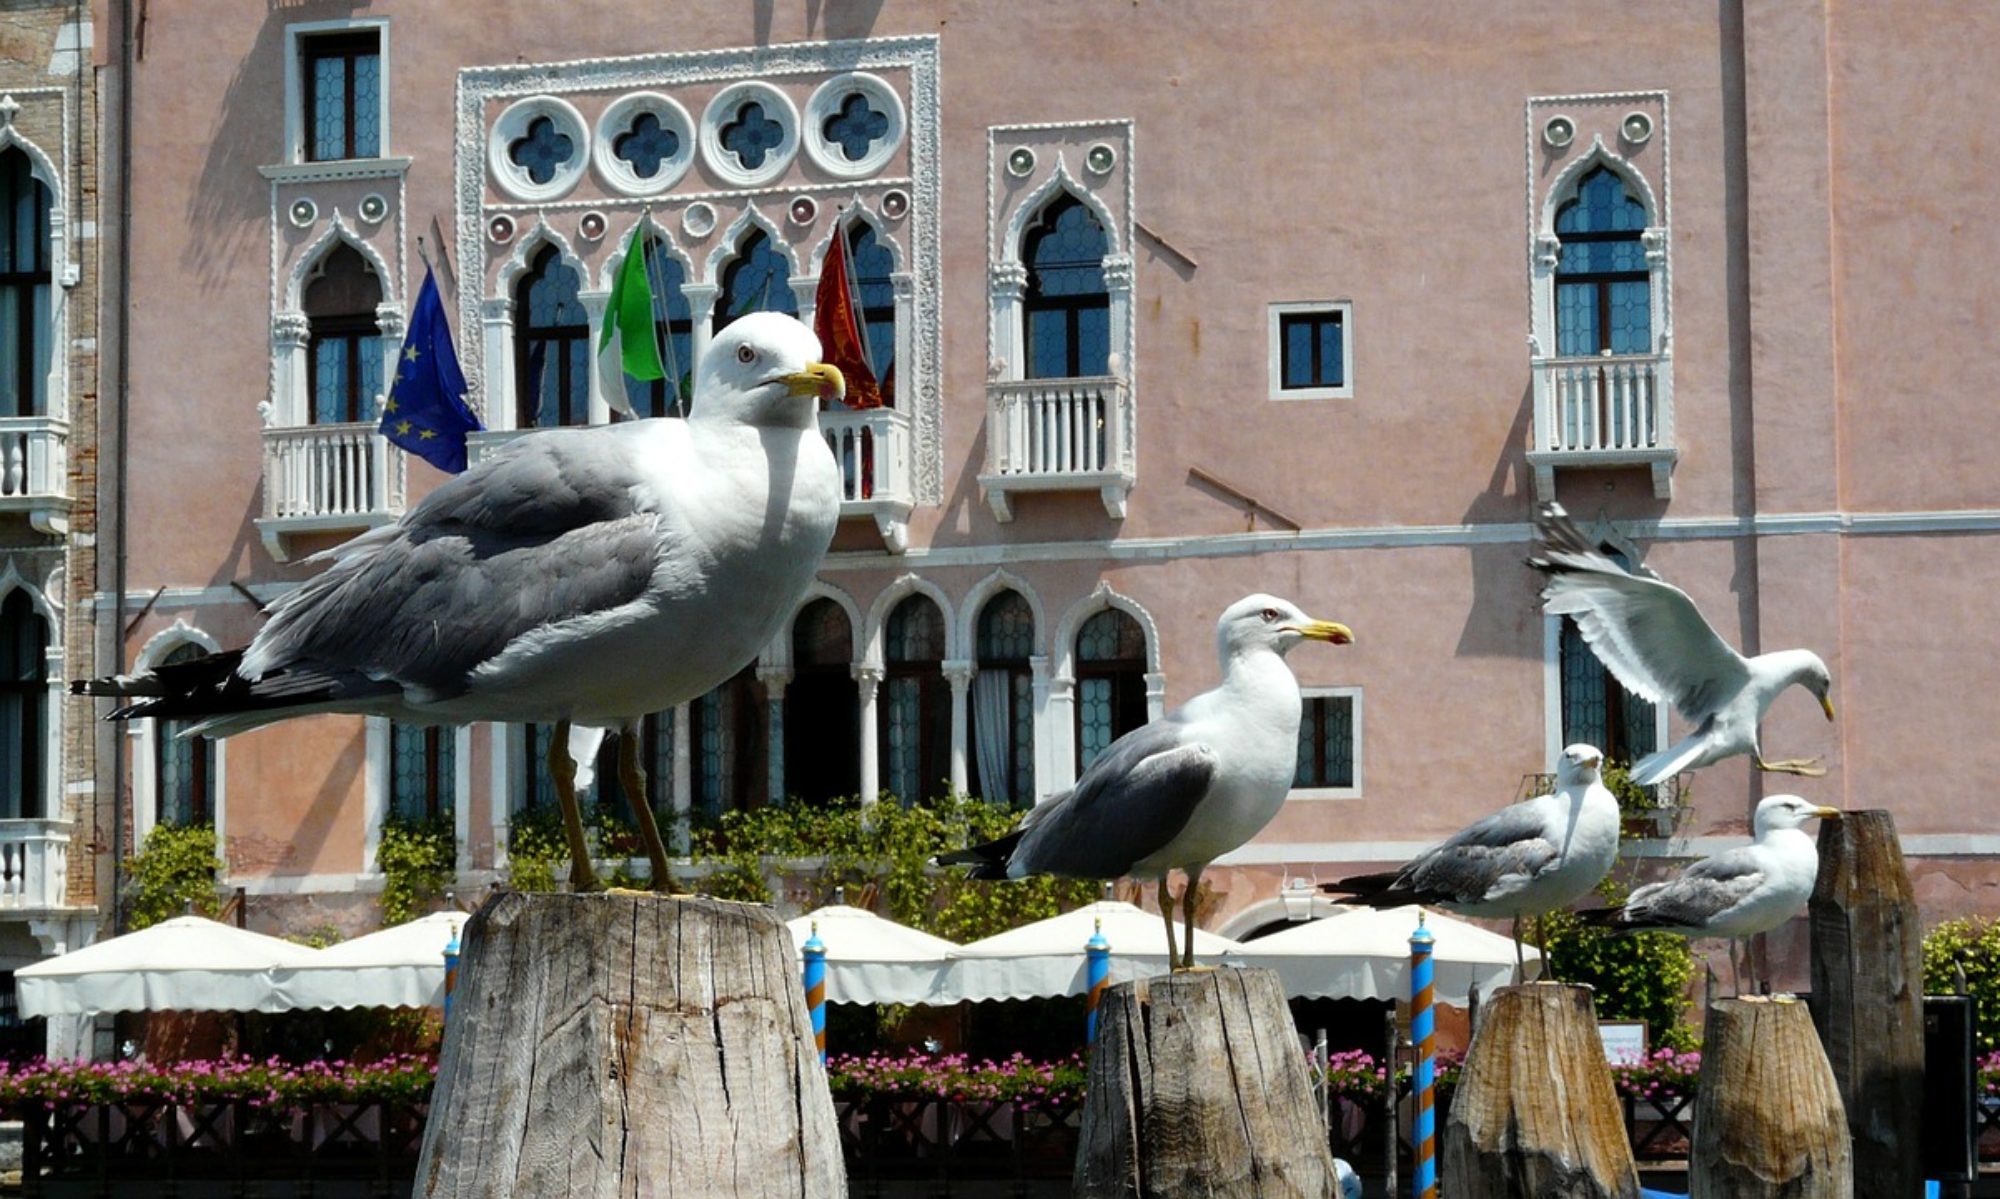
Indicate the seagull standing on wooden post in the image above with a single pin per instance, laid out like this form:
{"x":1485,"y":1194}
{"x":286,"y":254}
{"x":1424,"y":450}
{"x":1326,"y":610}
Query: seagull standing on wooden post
{"x":589,"y":575}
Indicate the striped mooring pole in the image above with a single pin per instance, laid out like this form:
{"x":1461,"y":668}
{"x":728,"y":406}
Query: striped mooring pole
{"x":450,"y":971}
{"x":1098,"y":951}
{"x":815,"y":951}
{"x":1423,"y":1035}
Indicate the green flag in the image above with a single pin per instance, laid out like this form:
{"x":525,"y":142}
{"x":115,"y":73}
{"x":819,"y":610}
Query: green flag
{"x":630,"y":342}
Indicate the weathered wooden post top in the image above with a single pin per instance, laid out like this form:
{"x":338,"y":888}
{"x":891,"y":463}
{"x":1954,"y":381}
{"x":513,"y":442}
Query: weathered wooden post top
{"x":617,"y":1045}
{"x":1768,"y":1121}
{"x":1535,"y":1112}
{"x":1198,"y":1088}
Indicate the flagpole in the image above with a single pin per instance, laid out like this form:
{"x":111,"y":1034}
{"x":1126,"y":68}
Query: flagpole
{"x":853,"y":285}
{"x":656,"y":284}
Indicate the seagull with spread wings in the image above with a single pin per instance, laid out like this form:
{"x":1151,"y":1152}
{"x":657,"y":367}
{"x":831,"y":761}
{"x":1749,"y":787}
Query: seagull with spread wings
{"x":1738,"y":893}
{"x":1653,"y":640}
{"x":1527,"y":859}
{"x":1189,"y":787}
{"x":588,"y":575}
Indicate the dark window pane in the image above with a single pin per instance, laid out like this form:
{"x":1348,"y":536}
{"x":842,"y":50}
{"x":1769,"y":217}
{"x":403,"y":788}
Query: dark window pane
{"x":552,"y":345}
{"x":875,"y":293}
{"x":543,"y":151}
{"x":331,"y":111}
{"x":752,"y":135}
{"x":759,"y":280}
{"x":856,"y":126}
{"x":1066,"y":308}
{"x":367,"y":105}
{"x":915,"y":631}
{"x":1006,"y":629}
{"x":645,"y":144}
{"x":183,"y":767}
{"x":1631,"y":317}
{"x":821,"y":636}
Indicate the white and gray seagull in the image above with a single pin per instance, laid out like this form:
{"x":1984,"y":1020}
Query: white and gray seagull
{"x":1189,"y":787}
{"x":1653,"y":640}
{"x":1738,"y":893}
{"x":588,"y":575}
{"x":1527,"y":859}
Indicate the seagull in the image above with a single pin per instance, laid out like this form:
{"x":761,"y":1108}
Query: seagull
{"x":1187,"y":788}
{"x":1651,"y":637}
{"x":1738,"y":893}
{"x":588,"y":575}
{"x":1527,"y":859}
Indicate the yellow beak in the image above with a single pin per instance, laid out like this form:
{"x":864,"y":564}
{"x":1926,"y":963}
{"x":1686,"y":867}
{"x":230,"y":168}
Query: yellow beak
{"x":1827,"y":704}
{"x":1324,"y":630}
{"x":819,"y":379}
{"x":1827,"y":813}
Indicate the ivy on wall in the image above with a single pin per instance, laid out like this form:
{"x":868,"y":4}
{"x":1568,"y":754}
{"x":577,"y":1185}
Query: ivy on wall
{"x":174,"y":869}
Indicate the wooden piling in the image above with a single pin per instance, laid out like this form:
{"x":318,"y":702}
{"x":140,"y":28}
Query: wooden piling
{"x":617,"y":1045}
{"x":1198,"y":1088}
{"x":1867,"y":986}
{"x":1768,"y":1121}
{"x":1535,"y":1112}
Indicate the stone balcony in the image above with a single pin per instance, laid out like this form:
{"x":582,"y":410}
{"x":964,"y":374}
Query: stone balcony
{"x":34,"y":471}
{"x":1610,"y":410}
{"x":342,"y":478}
{"x":1058,"y":435}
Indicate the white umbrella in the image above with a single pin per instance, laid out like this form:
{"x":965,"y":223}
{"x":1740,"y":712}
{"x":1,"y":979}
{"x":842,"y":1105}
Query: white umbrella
{"x":1046,"y":958}
{"x":400,"y":966}
{"x":870,"y":959}
{"x":187,"y":964}
{"x":1362,"y":953}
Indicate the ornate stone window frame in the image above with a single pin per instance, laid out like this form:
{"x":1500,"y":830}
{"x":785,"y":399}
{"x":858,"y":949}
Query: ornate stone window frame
{"x":1057,"y":763}
{"x":48,"y":170}
{"x":142,"y":737}
{"x":513,"y":124}
{"x":723,"y":108}
{"x":826,"y":101}
{"x":617,"y":118}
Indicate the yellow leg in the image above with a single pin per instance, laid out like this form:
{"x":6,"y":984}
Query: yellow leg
{"x":1187,"y":918}
{"x":632,"y":776}
{"x":562,"y":771}
{"x":1167,"y":913}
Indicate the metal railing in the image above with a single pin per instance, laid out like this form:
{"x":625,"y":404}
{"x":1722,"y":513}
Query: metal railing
{"x":316,"y":472}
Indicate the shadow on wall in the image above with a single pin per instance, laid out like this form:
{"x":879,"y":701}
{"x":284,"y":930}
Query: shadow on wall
{"x":1496,"y":625}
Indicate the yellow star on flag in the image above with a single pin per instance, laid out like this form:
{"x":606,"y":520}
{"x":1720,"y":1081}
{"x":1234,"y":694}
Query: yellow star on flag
{"x":426,"y":434}
{"x":410,"y":354}
{"x":389,"y":405}
{"x":403,"y":428}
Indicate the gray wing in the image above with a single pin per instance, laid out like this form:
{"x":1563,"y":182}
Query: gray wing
{"x":1134,"y":799}
{"x":1646,"y":631}
{"x":547,"y":531}
{"x":1467,"y":866}
{"x":1699,"y":894}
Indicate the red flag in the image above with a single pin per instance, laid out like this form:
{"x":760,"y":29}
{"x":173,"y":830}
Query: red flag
{"x":839,"y":328}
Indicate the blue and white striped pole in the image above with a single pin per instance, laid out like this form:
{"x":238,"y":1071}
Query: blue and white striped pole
{"x":1098,"y":976}
{"x":815,"y":951}
{"x":450,"y":970}
{"x":1423,"y":1035}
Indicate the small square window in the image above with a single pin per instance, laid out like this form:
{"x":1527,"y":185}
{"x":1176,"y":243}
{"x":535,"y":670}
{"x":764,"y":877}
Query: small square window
{"x":336,"y":110}
{"x":1311,"y":351}
{"x":1329,"y":744}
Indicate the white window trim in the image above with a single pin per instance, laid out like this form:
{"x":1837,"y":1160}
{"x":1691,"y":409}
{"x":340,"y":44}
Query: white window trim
{"x":379,"y":786}
{"x":143,"y":735}
{"x":1353,"y":695}
{"x":295,"y":96}
{"x":1274,"y":322}
{"x":1552,"y":697}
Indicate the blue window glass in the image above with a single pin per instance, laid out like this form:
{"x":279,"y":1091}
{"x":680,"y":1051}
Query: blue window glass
{"x":916,"y":712}
{"x":1003,"y":705}
{"x":423,"y":772}
{"x":752,"y":135}
{"x":758,"y":280}
{"x":673,"y":326}
{"x":183,"y":766}
{"x":343,"y":95}
{"x":1111,"y":682}
{"x":646,"y":144}
{"x":1326,"y":742}
{"x":551,"y":346}
{"x":1313,"y":355}
{"x":872,"y":265}
{"x":856,"y":126}
{"x":343,"y":345}
{"x":1066,"y":310}
{"x":24,"y":699}
{"x":1598,"y":711}
{"x":543,"y":151}
{"x":26,"y":338}
{"x":1603,"y":289}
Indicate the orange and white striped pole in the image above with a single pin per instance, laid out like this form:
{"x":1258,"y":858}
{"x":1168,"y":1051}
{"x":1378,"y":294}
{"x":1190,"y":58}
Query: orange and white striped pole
{"x":815,"y":955}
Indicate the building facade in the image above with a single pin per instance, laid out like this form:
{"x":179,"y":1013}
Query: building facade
{"x":1168,"y":307}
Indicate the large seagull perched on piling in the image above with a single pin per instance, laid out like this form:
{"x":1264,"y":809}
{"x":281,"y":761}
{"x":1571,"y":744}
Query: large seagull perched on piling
{"x":1739,"y":892}
{"x":1527,"y":859}
{"x":1653,"y":640}
{"x":1182,"y":791}
{"x":588,"y":575}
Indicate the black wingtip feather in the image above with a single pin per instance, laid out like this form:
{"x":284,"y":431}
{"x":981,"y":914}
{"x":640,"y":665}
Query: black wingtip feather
{"x":988,"y":861}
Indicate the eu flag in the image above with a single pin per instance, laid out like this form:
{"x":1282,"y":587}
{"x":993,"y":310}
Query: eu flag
{"x":426,"y":412}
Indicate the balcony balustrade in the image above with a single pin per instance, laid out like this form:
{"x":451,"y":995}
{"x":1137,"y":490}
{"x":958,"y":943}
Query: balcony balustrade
{"x":34,"y":470}
{"x":34,"y":865}
{"x":1058,"y":435}
{"x":328,"y":479}
{"x":1612,"y":410}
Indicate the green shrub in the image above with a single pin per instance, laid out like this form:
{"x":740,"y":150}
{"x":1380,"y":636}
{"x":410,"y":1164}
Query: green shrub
{"x":174,"y":868}
{"x":1974,"y":945}
{"x":1638,"y":976}
{"x":417,"y":859}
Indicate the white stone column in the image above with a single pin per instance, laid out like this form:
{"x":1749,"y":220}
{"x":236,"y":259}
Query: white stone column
{"x":593,"y":305}
{"x":867,"y":678}
{"x":958,"y":673}
{"x":389,"y":320}
{"x":498,"y":316}
{"x":775,"y":679}
{"x":1040,"y":738}
{"x":1061,"y":726}
{"x":1006,"y":283}
{"x":289,"y":401}
{"x":701,"y":310}
{"x":1156,"y":695}
{"x":805,"y":293}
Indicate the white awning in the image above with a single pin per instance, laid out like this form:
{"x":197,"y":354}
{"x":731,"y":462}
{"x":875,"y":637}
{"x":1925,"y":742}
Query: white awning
{"x":1361,"y":953}
{"x":186,"y":964}
{"x":870,"y":959}
{"x":1046,"y":958}
{"x":401,"y":966}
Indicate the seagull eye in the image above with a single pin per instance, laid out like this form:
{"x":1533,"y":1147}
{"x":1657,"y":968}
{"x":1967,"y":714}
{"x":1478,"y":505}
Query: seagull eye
{"x":1270,"y":614}
{"x":745,"y":354}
